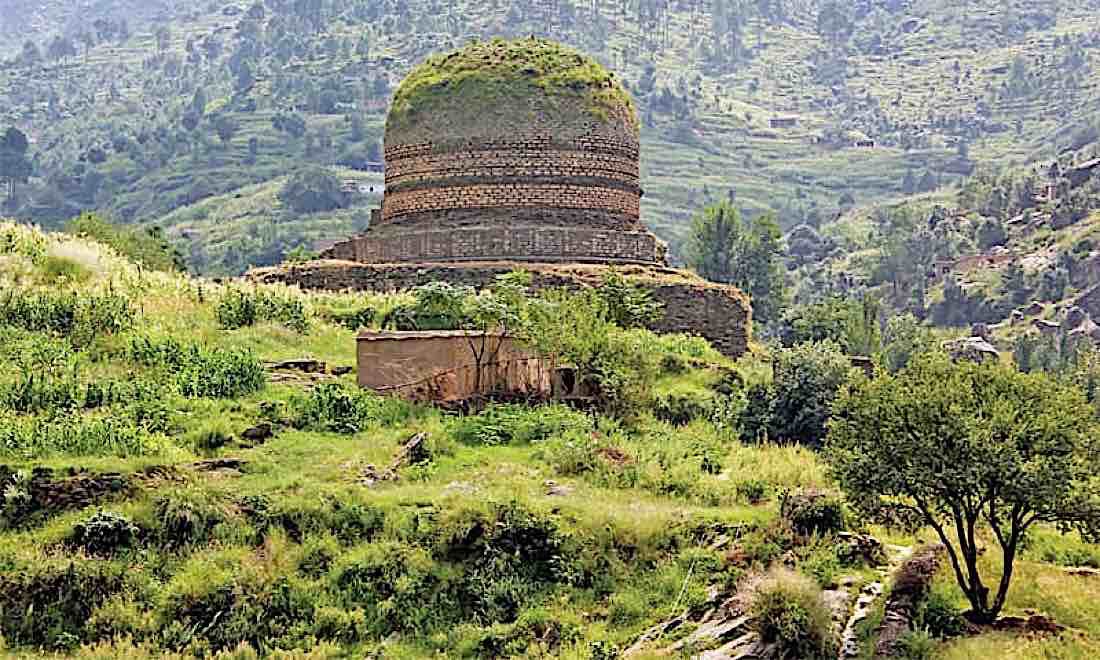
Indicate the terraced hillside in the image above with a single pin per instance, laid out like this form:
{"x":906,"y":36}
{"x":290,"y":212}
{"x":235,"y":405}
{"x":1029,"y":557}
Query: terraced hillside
{"x":800,"y":106}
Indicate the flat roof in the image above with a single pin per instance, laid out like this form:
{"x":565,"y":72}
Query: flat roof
{"x":400,"y":335}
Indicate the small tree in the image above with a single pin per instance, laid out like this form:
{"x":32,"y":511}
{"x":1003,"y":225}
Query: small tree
{"x":966,"y":446}
{"x":312,"y":190}
{"x":724,"y":247}
{"x":795,"y":406}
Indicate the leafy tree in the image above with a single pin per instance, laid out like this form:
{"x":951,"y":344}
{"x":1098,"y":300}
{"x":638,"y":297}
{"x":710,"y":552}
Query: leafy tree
{"x":164,"y":38}
{"x":226,"y":127}
{"x":990,"y":234}
{"x":967,"y":446}
{"x":724,"y":247}
{"x":14,"y":165}
{"x":1014,"y":286}
{"x":853,"y":324}
{"x":905,"y":339}
{"x":312,"y":190}
{"x":795,"y":406}
{"x":60,"y":48}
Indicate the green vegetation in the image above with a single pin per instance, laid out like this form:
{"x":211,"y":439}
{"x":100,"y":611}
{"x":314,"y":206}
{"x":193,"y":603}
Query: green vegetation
{"x":963,"y":444}
{"x":163,"y":495}
{"x":484,"y":75}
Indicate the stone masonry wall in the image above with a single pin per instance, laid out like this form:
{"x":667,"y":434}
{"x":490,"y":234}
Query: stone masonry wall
{"x":596,"y":171}
{"x":517,"y":244}
{"x":719,"y":313}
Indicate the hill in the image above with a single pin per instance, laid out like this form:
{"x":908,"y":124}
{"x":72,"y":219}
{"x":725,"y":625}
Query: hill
{"x":802,"y":107}
{"x":166,"y":493}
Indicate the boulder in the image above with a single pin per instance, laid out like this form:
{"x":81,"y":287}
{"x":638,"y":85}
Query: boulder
{"x":981,"y":330}
{"x":1075,"y":316}
{"x":1046,"y":327}
{"x":859,"y":549}
{"x":974,"y":349}
{"x":1035,"y":309}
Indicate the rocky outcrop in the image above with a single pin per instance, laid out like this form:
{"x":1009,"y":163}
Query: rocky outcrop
{"x":911,"y":584}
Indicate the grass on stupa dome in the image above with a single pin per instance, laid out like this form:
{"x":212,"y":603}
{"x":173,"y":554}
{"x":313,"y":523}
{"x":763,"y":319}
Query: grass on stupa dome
{"x":509,"y":71}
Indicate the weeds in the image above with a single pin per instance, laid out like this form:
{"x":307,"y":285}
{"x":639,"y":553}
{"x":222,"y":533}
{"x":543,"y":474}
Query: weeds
{"x":80,"y":317}
{"x":240,"y":308}
{"x":201,"y":371}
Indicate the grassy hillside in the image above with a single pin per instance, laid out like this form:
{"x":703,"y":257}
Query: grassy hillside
{"x":116,"y":125}
{"x":147,"y":513}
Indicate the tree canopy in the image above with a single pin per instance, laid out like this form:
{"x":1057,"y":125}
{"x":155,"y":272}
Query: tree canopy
{"x":725,"y":247}
{"x":967,"y":446}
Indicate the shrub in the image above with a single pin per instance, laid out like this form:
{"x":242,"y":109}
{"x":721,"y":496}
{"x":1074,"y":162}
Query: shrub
{"x":80,"y":317}
{"x":753,"y":491}
{"x":103,"y":533}
{"x":399,"y":586}
{"x":796,"y":406}
{"x":148,"y":247}
{"x":71,"y":434}
{"x":46,"y":604}
{"x":212,"y":435}
{"x":628,"y":305}
{"x":511,"y":555}
{"x":938,"y":615}
{"x":201,"y":371}
{"x":342,"y":408}
{"x":215,"y":603}
{"x":507,"y":424}
{"x":812,"y":512}
{"x":788,"y":610}
{"x":239,"y":308}
{"x":680,"y":408}
{"x":352,"y":319}
{"x":22,"y":241}
{"x":186,"y":516}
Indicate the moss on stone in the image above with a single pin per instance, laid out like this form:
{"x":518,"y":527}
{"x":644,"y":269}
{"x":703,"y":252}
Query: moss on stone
{"x":525,"y":75}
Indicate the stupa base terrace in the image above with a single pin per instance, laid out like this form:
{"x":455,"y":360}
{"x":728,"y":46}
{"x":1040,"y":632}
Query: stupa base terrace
{"x":719,"y":313}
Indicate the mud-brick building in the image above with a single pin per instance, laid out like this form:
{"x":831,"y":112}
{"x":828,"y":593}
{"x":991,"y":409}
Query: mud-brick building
{"x":509,"y":154}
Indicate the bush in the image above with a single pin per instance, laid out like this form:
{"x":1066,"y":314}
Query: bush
{"x":80,"y":317}
{"x":342,"y":408}
{"x":401,"y":588}
{"x":352,"y":319}
{"x":812,"y":512}
{"x":201,"y":371}
{"x":683,"y":407}
{"x":628,"y":305}
{"x":215,"y":603}
{"x":797,"y":404}
{"x":47,"y":604}
{"x":186,"y":516}
{"x":103,"y":533}
{"x":508,"y":424}
{"x":938,"y":615}
{"x":239,"y":308}
{"x":72,"y":434}
{"x":212,"y":435}
{"x":788,"y":610}
{"x":511,"y":554}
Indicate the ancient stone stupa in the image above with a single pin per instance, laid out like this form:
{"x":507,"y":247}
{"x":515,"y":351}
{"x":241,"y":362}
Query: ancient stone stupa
{"x":518,"y":154}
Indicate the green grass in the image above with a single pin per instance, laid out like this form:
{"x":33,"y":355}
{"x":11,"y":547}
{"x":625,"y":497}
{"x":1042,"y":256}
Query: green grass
{"x":294,"y":549}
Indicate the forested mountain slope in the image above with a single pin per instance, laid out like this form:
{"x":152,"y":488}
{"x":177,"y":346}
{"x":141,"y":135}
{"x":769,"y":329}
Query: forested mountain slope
{"x":194,"y":117}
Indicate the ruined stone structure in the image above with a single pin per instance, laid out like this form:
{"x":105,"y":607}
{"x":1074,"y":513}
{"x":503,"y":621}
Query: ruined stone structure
{"x":489,"y":156}
{"x":518,"y":154}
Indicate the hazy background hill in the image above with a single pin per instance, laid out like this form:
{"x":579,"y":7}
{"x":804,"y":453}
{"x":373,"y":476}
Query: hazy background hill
{"x":193,"y":116}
